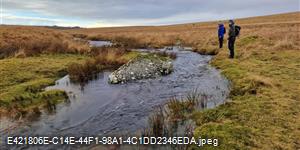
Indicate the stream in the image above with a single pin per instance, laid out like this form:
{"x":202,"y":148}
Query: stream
{"x":99,"y":108}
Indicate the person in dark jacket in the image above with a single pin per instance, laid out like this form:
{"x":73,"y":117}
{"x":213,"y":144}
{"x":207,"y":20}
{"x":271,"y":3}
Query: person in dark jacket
{"x":221,"y":33}
{"x":231,"y":38}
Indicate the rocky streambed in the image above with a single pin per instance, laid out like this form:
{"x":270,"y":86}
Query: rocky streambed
{"x":144,"y":66}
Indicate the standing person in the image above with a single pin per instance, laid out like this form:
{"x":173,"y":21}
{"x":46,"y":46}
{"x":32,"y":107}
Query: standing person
{"x":231,"y":38}
{"x":221,"y":33}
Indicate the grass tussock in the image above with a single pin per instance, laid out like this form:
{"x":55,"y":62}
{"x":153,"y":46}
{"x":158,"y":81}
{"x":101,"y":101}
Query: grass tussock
{"x":23,"y":81}
{"x":166,"y":119}
{"x":24,"y":106}
{"x":265,"y":92}
{"x":127,"y":42}
{"x":96,"y":38}
{"x":178,"y":109}
{"x":104,"y":58}
{"x":80,"y":36}
{"x":26,"y":41}
{"x":263,"y":110}
{"x":50,"y":51}
{"x":157,"y":125}
{"x":171,"y":55}
{"x":203,"y":36}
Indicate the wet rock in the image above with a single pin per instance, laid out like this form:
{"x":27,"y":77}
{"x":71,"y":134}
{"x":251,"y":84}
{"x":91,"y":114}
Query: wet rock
{"x":142,"y":67}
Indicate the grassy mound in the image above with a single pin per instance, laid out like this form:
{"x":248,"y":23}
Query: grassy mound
{"x":23,"y":80}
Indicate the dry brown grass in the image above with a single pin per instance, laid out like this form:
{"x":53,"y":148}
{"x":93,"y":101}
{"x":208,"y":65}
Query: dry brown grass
{"x":281,"y":30}
{"x":263,"y":111}
{"x":104,"y":58}
{"x":28,"y":41}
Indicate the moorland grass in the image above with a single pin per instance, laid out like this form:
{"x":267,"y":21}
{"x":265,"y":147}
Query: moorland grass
{"x":201,"y":36}
{"x":22,"y":41}
{"x":23,"y":79}
{"x":110,"y":59}
{"x":262,"y":111}
{"x":263,"y":107}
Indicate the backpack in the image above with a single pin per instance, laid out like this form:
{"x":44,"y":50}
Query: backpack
{"x":237,"y":30}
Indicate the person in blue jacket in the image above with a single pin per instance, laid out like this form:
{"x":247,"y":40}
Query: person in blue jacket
{"x":221,"y":33}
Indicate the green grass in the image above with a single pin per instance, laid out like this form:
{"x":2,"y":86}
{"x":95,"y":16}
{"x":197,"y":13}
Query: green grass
{"x":262,"y":111}
{"x":130,"y":55}
{"x":155,"y":57}
{"x":23,"y":79}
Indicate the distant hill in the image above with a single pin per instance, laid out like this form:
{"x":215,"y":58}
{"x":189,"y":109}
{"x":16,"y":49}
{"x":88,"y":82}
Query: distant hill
{"x":62,"y":27}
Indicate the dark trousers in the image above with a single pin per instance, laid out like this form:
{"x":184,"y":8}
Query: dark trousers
{"x":220,"y":42}
{"x":231,"y":41}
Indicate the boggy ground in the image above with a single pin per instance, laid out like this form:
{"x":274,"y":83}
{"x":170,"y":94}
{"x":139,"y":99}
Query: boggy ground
{"x":262,"y":111}
{"x":32,"y":58}
{"x":23,"y":80}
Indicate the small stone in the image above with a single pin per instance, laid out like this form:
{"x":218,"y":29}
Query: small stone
{"x":113,"y":79}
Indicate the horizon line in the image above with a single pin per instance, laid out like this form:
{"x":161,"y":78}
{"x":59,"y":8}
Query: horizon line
{"x":120,"y":26}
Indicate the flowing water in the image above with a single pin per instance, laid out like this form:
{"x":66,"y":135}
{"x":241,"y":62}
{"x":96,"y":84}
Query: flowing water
{"x":99,"y":108}
{"x":100,"y":43}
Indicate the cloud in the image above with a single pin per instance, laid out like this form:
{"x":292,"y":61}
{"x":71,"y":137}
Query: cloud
{"x":148,"y":12}
{"x":14,"y":17}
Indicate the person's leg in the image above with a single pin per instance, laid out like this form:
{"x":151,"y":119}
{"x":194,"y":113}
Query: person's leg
{"x":232,"y":45}
{"x":229,"y":46}
{"x":221,"y":42}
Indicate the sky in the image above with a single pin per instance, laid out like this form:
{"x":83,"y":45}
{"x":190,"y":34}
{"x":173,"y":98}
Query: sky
{"x":107,"y":13}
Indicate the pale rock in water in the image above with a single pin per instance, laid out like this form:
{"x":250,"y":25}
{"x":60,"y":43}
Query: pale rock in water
{"x":142,"y":67}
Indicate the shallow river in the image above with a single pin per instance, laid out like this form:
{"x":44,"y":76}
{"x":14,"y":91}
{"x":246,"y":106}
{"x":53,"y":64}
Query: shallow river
{"x":100,"y":108}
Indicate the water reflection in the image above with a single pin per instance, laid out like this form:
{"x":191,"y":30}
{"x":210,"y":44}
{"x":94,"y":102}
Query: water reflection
{"x":100,"y":43}
{"x":99,"y":108}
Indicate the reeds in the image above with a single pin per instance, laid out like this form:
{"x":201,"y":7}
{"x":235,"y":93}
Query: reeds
{"x":128,"y":42}
{"x":171,"y":55}
{"x":166,"y":118}
{"x":104,"y":58}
